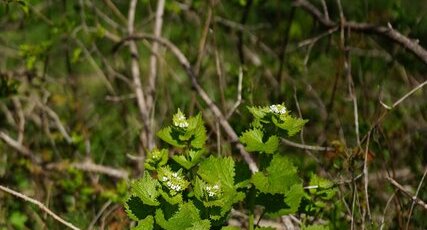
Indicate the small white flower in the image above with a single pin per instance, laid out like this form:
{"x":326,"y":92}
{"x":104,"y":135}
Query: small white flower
{"x":178,"y":188}
{"x":165,"y":178}
{"x":278,"y":109}
{"x":181,"y":117}
{"x":169,"y":184}
{"x":208,"y":188}
{"x":216,"y":187}
{"x":180,"y":121}
{"x":175,"y":175}
{"x":211,"y":194}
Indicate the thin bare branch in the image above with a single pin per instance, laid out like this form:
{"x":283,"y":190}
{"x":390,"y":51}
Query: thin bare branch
{"x":99,"y":214}
{"x":413,"y":202}
{"x":158,"y":23}
{"x":311,"y":41}
{"x":136,"y":76}
{"x":307,"y":147}
{"x":407,"y":193}
{"x":89,"y":166}
{"x":40,"y":205}
{"x":409,"y":94}
{"x":21,"y":121}
{"x":366,"y":177}
{"x":388,"y":32}
{"x":17,"y":146}
{"x":115,"y":10}
{"x":57,"y":120}
{"x":239,"y":94}
{"x":325,"y":9}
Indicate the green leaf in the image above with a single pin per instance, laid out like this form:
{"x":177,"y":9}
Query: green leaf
{"x":166,"y":135}
{"x":215,"y":169}
{"x":18,"y":219}
{"x":190,"y":159}
{"x":187,"y":217}
{"x":290,"y":124}
{"x":200,"y":225}
{"x":145,"y":224}
{"x":279,"y":178}
{"x":325,"y":190}
{"x":216,"y":187}
{"x":259,"y":114}
{"x":253,"y":139}
{"x":185,"y":132}
{"x":146,"y":190}
{"x":156,"y":158}
{"x":198,"y":130}
{"x":293,"y":199}
{"x":171,"y":199}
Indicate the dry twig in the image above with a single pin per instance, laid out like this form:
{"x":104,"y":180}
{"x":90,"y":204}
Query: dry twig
{"x":18,"y":146}
{"x":153,"y":74}
{"x":413,"y":202}
{"x":407,"y":193}
{"x":89,"y":166}
{"x":306,"y":147}
{"x":40,"y":205}
{"x":388,"y":32}
{"x":136,"y":76}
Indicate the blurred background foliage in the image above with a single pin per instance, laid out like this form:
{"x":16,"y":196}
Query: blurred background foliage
{"x":67,"y":97}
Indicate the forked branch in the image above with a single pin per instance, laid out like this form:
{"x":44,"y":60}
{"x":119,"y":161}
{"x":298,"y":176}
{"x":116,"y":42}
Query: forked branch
{"x":407,"y":193}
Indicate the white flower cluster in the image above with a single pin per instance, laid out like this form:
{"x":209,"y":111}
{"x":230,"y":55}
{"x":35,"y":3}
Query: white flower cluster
{"x":212,"y":190}
{"x":278,"y":109}
{"x":181,"y":121}
{"x":172,"y":185}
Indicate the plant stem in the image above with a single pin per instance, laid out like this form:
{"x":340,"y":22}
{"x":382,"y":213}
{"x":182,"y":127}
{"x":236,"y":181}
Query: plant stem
{"x":251,"y":207}
{"x":251,"y":221}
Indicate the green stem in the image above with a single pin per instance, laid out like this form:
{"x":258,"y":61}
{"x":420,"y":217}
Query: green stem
{"x":251,"y":206}
{"x":251,"y":220}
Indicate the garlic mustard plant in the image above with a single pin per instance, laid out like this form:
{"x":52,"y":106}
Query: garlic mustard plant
{"x":192,"y":189}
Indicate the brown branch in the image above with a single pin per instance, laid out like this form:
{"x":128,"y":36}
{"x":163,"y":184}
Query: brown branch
{"x":202,"y":93}
{"x":306,"y":147}
{"x":153,"y":64}
{"x":136,"y":76}
{"x":407,"y":193}
{"x":413,"y":202}
{"x":89,"y":166}
{"x":18,"y":146}
{"x":115,"y":10}
{"x":388,"y":32}
{"x":40,"y":205}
